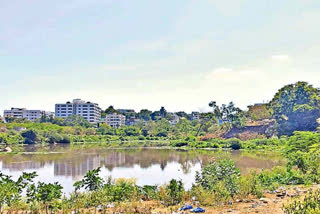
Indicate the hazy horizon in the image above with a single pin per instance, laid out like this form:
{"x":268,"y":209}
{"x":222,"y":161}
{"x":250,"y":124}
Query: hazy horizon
{"x":148,"y":54}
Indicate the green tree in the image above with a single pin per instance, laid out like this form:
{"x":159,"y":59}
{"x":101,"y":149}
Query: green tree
{"x":105,"y":129}
{"x":259,"y":112}
{"x":183,"y":114}
{"x":44,"y":193}
{"x":296,"y":107}
{"x":175,"y":191}
{"x":220,"y":172}
{"x":91,"y":181}
{"x":31,"y":136}
{"x":184,"y":127}
{"x":3,"y":138}
{"x":10,"y":190}
{"x":144,"y":114}
{"x":161,"y":128}
{"x":206,"y":121}
{"x":76,"y":120}
{"x":227,"y":113}
{"x":111,"y":110}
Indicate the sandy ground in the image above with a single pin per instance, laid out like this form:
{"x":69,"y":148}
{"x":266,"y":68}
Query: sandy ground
{"x":270,"y":204}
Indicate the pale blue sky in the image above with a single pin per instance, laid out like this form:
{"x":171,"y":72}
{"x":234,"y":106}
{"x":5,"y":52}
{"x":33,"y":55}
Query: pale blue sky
{"x":180,"y":54}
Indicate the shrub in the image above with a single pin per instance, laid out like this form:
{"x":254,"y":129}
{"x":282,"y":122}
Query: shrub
{"x":250,"y":185}
{"x":205,"y":197}
{"x":31,"y":136}
{"x":222,"y":171}
{"x":309,"y":205}
{"x":280,"y":175}
{"x":46,"y":194}
{"x":122,"y":190}
{"x":149,"y":192}
{"x":172,"y":193}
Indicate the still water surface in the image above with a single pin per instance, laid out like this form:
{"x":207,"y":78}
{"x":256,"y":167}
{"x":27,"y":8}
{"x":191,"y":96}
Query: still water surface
{"x":67,"y":164}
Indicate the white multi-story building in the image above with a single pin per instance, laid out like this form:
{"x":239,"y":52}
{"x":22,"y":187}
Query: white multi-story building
{"x":24,"y":113}
{"x":89,"y":111}
{"x":115,"y":120}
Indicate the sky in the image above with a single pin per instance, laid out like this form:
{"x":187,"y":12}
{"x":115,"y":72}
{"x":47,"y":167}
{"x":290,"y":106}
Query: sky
{"x":140,"y":54}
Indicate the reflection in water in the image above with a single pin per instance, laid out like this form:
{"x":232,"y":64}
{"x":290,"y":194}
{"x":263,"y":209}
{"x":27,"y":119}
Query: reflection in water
{"x":67,"y":163}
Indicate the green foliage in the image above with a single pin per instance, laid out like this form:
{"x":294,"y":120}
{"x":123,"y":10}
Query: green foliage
{"x":149,"y":192}
{"x":111,"y":110}
{"x":296,"y":107}
{"x":250,"y":185}
{"x":302,"y":141}
{"x":220,"y":173}
{"x":91,"y":181}
{"x":46,"y":194}
{"x":76,"y":120}
{"x":10,"y":190}
{"x":280,"y":175}
{"x":229,"y":113}
{"x":121,"y":190}
{"x":259,"y":112}
{"x":172,"y":193}
{"x":309,"y":205}
{"x":31,"y":136}
{"x":235,"y":143}
{"x":144,"y":114}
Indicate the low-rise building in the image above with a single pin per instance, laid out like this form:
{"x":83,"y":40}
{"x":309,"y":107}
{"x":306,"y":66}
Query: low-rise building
{"x":115,"y":120}
{"x":195,"y":115}
{"x":22,"y":113}
{"x":89,"y":111}
{"x":49,"y":114}
{"x":132,"y":121}
{"x":174,"y":119}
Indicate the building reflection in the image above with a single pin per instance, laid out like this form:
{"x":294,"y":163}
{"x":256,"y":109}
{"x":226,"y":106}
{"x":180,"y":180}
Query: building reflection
{"x":75,"y":163}
{"x":76,"y":169}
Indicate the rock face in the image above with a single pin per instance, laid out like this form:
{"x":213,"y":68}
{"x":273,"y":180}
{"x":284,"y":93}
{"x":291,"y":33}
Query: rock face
{"x":258,"y":129}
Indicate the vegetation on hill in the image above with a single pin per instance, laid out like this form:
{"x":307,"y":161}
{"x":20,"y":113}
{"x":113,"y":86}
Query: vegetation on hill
{"x":296,"y":107}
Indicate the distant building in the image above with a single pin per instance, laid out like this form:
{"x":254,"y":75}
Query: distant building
{"x":115,"y":120}
{"x":195,"y":115}
{"x":22,"y":113}
{"x":89,"y":111}
{"x":132,"y":121}
{"x":174,"y":119}
{"x":126,"y":111}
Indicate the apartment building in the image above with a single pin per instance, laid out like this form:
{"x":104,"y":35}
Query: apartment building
{"x":21,"y":113}
{"x":89,"y":111}
{"x":115,"y":120}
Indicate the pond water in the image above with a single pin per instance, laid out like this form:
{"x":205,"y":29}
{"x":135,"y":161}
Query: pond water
{"x":68,"y":163}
